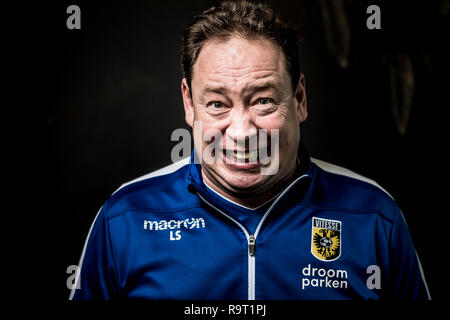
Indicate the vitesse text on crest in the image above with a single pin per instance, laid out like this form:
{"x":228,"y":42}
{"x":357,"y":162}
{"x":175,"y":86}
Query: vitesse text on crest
{"x":326,"y":241}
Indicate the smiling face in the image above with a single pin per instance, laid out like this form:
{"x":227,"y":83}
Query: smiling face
{"x":239,"y":86}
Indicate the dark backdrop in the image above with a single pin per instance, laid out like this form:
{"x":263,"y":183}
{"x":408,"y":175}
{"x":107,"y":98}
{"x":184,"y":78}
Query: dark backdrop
{"x":108,"y":98}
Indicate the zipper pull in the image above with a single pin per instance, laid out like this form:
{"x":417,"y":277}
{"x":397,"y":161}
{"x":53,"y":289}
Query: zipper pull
{"x":251,"y":245}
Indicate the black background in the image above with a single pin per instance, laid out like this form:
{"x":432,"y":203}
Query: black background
{"x":96,"y":108}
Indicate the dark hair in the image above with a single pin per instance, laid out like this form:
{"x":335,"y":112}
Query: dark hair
{"x":246,"y":19}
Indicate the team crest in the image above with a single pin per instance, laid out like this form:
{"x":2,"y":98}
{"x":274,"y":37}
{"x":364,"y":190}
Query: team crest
{"x":326,"y":239}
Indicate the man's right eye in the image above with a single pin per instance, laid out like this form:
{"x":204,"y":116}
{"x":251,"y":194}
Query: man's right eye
{"x":216,"y":105}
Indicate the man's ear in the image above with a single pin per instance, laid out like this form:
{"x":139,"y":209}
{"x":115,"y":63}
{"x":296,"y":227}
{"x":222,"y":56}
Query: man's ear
{"x":300,"y":100}
{"x":188,"y":103}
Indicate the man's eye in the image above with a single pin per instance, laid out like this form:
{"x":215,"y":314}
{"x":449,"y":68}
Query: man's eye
{"x":217,"y":105}
{"x":264,"y":101}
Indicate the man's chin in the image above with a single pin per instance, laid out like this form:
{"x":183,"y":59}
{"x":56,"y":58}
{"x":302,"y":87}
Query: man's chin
{"x":243,"y":182}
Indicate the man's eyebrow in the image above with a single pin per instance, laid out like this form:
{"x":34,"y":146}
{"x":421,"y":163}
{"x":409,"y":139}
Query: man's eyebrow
{"x":219,"y":90}
{"x":263,"y":86}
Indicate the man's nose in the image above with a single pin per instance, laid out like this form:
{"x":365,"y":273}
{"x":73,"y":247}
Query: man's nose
{"x":241,"y":128}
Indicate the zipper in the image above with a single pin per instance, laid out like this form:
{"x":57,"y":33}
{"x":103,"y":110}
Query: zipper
{"x":251,"y":238}
{"x":251,"y":245}
{"x":251,"y":266}
{"x":251,"y":241}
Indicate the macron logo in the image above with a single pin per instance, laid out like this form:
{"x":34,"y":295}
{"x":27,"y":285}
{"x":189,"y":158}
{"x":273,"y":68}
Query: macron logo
{"x":189,"y":223}
{"x":174,"y":226}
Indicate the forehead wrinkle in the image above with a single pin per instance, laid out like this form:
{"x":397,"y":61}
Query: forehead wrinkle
{"x":232,"y":67}
{"x":234,"y":53}
{"x":245,"y":83}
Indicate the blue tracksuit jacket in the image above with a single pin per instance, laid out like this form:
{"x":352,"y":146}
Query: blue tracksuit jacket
{"x":331,"y":234}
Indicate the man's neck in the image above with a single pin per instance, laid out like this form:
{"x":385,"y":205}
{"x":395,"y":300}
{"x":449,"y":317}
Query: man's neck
{"x":230,"y":198}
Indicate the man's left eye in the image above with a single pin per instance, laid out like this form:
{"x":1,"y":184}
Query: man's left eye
{"x":264,"y":101}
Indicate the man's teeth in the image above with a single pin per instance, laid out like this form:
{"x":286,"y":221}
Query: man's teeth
{"x":252,"y":155}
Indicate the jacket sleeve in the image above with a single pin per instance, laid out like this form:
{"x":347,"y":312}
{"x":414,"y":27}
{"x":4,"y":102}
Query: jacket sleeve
{"x":97,"y":277}
{"x":406,"y":275}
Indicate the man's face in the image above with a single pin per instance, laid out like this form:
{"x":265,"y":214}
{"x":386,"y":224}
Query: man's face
{"x":240,"y":86}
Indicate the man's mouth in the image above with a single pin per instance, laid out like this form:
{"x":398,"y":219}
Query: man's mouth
{"x":244,"y":156}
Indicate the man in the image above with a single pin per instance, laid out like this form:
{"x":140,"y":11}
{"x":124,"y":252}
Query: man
{"x":253,"y":217}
